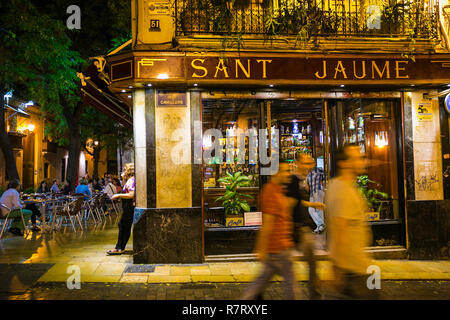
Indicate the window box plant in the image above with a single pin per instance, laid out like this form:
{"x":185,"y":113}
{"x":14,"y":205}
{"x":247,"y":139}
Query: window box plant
{"x":375,"y":197}
{"x":232,"y":201}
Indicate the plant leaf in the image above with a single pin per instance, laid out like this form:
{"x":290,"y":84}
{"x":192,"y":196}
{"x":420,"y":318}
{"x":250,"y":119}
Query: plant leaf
{"x":245,"y":206}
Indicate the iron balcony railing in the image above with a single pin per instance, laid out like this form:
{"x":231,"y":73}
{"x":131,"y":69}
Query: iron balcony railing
{"x":416,"y":19}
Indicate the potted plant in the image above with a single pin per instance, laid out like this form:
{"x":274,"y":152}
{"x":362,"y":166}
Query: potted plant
{"x":375,"y":197}
{"x":393,"y":15}
{"x":232,"y":201}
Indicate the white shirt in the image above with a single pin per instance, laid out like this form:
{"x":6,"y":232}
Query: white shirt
{"x":110,"y":190}
{"x":11,"y":199}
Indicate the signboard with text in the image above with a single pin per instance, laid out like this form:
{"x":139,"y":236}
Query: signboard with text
{"x":171,"y":99}
{"x":301,"y":68}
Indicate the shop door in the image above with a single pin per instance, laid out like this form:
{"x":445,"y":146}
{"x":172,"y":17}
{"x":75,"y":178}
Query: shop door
{"x":375,"y":126}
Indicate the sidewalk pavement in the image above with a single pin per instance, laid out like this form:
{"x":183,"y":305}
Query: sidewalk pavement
{"x":45,"y":257}
{"x":232,"y":272}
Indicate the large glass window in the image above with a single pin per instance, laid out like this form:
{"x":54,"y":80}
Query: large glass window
{"x":235,"y":171}
{"x":370,"y":124}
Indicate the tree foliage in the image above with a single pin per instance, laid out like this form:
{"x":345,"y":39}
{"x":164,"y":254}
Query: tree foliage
{"x":40,"y":57}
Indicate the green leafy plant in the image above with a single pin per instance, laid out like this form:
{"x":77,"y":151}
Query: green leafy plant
{"x":28,"y":190}
{"x":232,"y":199}
{"x":393,"y":14}
{"x":373,"y":195}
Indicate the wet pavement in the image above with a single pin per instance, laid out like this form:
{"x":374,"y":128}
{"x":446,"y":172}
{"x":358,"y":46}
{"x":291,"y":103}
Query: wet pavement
{"x":39,"y":265}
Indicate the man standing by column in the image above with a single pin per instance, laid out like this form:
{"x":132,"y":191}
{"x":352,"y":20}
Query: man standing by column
{"x":315,"y":181}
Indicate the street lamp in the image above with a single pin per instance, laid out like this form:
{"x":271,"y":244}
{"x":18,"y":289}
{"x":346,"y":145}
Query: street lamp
{"x":31,"y":127}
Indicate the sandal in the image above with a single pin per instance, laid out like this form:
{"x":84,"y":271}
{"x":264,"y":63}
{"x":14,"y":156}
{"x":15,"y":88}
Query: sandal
{"x":114,"y":252}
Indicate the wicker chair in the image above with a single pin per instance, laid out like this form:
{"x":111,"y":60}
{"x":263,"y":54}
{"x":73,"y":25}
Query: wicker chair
{"x":101,"y":204}
{"x":72,"y":209}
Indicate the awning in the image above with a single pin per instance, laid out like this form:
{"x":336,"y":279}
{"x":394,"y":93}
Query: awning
{"x":95,"y":92}
{"x":19,"y":111}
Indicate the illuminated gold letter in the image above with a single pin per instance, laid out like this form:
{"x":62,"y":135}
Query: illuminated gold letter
{"x":221,"y":67}
{"x":380,"y":73}
{"x":324,"y":70}
{"x":205,"y":72}
{"x":363,"y":70}
{"x":246,"y":72}
{"x":264,"y":66}
{"x":340,"y":68}
{"x":398,"y":69}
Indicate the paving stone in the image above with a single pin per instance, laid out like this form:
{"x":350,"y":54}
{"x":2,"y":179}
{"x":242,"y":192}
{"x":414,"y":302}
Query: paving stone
{"x":110,"y":269}
{"x":168,"y":279}
{"x":134,"y":279}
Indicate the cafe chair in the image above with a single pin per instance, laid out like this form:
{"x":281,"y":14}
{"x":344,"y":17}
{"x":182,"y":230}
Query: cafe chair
{"x":71,"y":210}
{"x":93,"y":205}
{"x":86,"y":207}
{"x":102,"y":201}
{"x":113,"y":203}
{"x":5,"y":223}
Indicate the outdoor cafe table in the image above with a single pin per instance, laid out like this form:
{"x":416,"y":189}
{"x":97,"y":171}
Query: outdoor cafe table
{"x":43,"y":203}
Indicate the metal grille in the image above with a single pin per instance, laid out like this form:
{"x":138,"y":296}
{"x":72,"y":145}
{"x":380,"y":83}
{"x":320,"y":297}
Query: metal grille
{"x":307,"y":18}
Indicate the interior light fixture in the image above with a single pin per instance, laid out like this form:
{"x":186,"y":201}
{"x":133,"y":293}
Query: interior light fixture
{"x":271,"y":85}
{"x":195,"y":84}
{"x":131,"y":87}
{"x":163,"y":76}
{"x":381,"y":139}
{"x":342,"y":85}
{"x":149,"y":85}
{"x":129,"y":96}
{"x":123,"y":90}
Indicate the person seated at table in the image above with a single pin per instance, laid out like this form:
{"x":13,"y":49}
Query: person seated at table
{"x":55,"y":188}
{"x":11,"y":199}
{"x":90,"y":185}
{"x":96,"y":185}
{"x":110,"y":189}
{"x":116,"y":182}
{"x":43,"y":187}
{"x":83,"y":188}
{"x":66,"y":188}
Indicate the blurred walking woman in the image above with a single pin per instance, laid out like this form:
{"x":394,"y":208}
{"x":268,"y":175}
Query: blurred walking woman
{"x":126,"y":221}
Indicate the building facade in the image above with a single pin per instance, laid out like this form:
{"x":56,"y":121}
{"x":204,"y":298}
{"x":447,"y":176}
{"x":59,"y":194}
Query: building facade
{"x":264,"y":80}
{"x":37,"y":158}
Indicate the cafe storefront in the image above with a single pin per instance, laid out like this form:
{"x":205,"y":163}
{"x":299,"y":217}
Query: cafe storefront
{"x":199,"y":118}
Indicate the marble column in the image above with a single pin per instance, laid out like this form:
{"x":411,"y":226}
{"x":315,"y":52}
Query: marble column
{"x":427,"y":209}
{"x":168,"y":218}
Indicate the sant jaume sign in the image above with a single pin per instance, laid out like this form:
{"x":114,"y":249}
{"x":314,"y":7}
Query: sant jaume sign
{"x":292,"y":69}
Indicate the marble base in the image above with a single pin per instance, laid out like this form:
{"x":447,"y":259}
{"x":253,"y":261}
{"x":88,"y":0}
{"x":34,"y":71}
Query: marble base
{"x":169,"y":235}
{"x":220,"y":241}
{"x":428,"y":229}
